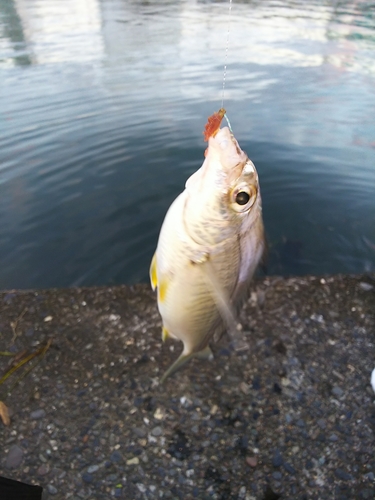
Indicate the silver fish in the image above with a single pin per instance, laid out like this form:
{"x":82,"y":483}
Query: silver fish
{"x":210,"y":244}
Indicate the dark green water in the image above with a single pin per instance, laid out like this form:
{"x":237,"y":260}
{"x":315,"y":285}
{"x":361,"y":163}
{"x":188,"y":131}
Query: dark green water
{"x":102,"y":107}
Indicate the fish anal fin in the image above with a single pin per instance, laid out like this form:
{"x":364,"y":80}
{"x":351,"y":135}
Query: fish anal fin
{"x":164,"y":334}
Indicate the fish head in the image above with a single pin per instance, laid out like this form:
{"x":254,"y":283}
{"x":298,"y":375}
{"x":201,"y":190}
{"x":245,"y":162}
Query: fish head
{"x":223,"y":196}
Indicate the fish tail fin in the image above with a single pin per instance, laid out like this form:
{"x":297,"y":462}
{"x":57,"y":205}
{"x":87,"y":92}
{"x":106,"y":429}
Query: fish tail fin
{"x":184,"y":357}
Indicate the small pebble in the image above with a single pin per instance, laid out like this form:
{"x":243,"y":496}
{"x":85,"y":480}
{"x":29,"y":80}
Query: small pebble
{"x":43,"y":470}
{"x":51,"y":489}
{"x":277,"y":475}
{"x":343,"y":475}
{"x":138,"y":431}
{"x":93,"y":468}
{"x":373,"y":379}
{"x":113,"y":317}
{"x":115,"y":457}
{"x":277,"y":459}
{"x":133,"y":461}
{"x":317,"y":317}
{"x":37,"y":414}
{"x":87,"y":478}
{"x":245,"y":388}
{"x":157,"y":431}
{"x":289,"y":468}
{"x":14,"y":458}
{"x":252,"y":461}
{"x":322,"y":423}
{"x":337,"y":391}
{"x":242,"y":492}
{"x":256,"y":383}
{"x":159,"y":415}
{"x":365,"y":286}
{"x":142,"y":488}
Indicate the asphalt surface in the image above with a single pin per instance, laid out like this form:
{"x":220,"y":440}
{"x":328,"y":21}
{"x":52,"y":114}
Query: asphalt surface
{"x":290,"y":416}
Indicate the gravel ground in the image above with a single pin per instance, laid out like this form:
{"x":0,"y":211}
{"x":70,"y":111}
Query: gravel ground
{"x":291,"y":416}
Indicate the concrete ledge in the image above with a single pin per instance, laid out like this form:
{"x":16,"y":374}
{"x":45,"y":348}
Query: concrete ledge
{"x":291,"y":417}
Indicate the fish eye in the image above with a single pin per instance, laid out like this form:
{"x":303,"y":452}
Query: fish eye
{"x":242,"y":198}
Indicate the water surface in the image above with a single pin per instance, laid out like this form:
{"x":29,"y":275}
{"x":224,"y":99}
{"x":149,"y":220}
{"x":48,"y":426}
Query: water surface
{"x":102,"y":107}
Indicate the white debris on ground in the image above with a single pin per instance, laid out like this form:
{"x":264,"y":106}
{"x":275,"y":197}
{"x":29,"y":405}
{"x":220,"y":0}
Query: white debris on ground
{"x":373,"y":379}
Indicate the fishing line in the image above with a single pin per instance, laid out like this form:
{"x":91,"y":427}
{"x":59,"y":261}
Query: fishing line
{"x":226,"y":56}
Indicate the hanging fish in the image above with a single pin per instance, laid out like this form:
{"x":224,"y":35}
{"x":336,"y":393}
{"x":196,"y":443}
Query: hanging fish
{"x":210,"y":244}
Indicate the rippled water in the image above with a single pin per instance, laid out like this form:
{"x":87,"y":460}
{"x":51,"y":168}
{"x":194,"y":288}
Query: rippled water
{"x":102,"y":107}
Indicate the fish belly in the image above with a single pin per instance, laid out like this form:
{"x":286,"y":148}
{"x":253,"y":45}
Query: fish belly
{"x":187,"y":305}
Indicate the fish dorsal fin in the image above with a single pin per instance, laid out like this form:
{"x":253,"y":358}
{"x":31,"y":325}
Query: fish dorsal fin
{"x":153,"y":273}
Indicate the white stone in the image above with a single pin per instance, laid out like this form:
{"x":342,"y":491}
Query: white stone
{"x":373,"y":379}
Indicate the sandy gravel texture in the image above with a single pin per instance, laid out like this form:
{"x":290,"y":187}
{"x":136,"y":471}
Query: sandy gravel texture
{"x":290,"y":416}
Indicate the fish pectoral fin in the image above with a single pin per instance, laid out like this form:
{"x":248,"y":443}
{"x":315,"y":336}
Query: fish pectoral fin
{"x":264,"y":259}
{"x":153,"y":273}
{"x":221,"y":298}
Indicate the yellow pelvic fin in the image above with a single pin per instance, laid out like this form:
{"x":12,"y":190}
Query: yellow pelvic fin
{"x":164,"y":334}
{"x":153,"y":273}
{"x":205,"y":353}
